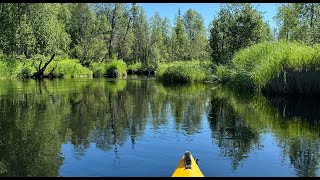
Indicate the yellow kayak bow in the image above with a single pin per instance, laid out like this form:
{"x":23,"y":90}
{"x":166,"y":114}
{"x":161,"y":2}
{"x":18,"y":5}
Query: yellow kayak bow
{"x":187,"y":167}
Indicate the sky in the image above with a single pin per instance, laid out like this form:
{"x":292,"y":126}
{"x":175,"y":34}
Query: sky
{"x":207,"y":10}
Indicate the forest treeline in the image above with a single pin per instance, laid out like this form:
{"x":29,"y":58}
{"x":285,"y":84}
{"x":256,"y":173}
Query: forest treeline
{"x":97,"y":34}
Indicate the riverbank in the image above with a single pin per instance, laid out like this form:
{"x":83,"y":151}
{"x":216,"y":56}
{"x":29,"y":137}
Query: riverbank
{"x":63,"y":67}
{"x":274,"y":68}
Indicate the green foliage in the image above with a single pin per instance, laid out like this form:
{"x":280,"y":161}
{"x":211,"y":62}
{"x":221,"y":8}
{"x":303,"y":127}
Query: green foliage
{"x":183,"y":72}
{"x":195,"y":31}
{"x":88,"y":32}
{"x":118,"y":66}
{"x":13,"y":67}
{"x":179,"y":41}
{"x":256,"y":67}
{"x":140,"y":30}
{"x":135,"y":66}
{"x":299,"y":22}
{"x":237,"y":26}
{"x":159,"y":40}
{"x":68,"y":68}
{"x":98,"y":69}
{"x":109,"y":69}
{"x":95,"y":33}
{"x":32,"y":29}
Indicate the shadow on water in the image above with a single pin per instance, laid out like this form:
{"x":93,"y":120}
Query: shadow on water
{"x":294,"y":122}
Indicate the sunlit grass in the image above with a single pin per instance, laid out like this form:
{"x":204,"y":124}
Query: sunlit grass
{"x":19,"y":67}
{"x":135,"y":66}
{"x":183,"y":72}
{"x":257,"y":66}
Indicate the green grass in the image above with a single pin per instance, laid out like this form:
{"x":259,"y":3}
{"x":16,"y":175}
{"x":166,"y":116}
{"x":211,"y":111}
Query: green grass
{"x":260,"y":66}
{"x":13,"y":67}
{"x":98,"y":69}
{"x":20,"y":67}
{"x":135,"y":66}
{"x":118,"y":65}
{"x":183,"y":72}
{"x":107,"y":69}
{"x":68,"y":68}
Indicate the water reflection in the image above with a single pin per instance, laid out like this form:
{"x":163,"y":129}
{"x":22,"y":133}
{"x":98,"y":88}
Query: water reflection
{"x":37,"y":117}
{"x":232,"y":134}
{"x":294,"y":123}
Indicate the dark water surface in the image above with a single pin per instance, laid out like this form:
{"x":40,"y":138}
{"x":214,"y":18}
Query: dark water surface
{"x":140,"y":127}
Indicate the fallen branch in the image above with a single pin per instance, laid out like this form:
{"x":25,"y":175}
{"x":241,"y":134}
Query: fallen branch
{"x":40,"y":72}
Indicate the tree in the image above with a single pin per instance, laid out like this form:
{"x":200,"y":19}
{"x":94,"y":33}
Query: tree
{"x":159,"y":39}
{"x":25,"y":38}
{"x":49,"y":32}
{"x":299,"y":22}
{"x":237,"y":26}
{"x":87,"y":32}
{"x":195,"y":30}
{"x":141,"y":37}
{"x":179,"y":40}
{"x":32,"y":28}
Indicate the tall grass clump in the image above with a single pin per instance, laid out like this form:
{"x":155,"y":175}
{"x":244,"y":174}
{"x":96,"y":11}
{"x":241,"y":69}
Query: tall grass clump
{"x":98,"y":69}
{"x":116,"y":68}
{"x":183,"y":72}
{"x":14,"y":67}
{"x":135,"y":66}
{"x":113,"y":68}
{"x":68,"y":68}
{"x":21,"y":67}
{"x":278,"y":67}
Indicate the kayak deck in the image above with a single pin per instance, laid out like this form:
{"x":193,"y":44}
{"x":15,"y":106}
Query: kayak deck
{"x":182,"y":171}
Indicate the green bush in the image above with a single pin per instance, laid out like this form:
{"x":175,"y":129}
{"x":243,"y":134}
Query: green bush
{"x":108,"y":69}
{"x":183,"y":72}
{"x":98,"y":69}
{"x":118,"y":66}
{"x":135,"y":66}
{"x":20,"y":67}
{"x":68,"y":68}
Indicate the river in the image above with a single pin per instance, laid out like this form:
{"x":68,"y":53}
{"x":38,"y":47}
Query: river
{"x":141,"y":127}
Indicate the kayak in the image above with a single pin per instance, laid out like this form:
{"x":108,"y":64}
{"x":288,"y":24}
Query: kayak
{"x":187,"y":167}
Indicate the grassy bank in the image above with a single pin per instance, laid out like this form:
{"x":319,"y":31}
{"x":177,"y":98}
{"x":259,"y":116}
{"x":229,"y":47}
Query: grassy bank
{"x":63,"y":67}
{"x":280,"y":68}
{"x":20,"y":67}
{"x":183,"y":72}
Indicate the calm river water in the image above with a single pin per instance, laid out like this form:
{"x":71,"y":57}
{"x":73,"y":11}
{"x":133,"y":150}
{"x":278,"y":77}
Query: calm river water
{"x":140,"y":127}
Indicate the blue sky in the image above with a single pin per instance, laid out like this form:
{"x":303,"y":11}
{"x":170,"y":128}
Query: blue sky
{"x":207,"y":10}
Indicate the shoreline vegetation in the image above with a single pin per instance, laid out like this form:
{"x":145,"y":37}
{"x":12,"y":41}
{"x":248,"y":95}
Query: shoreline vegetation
{"x":274,"y":68}
{"x":18,"y":67}
{"x":114,"y":40}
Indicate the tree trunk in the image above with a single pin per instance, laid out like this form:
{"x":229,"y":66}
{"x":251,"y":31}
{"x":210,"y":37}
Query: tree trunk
{"x":113,"y":23}
{"x":40,"y":72}
{"x":124,"y":37}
